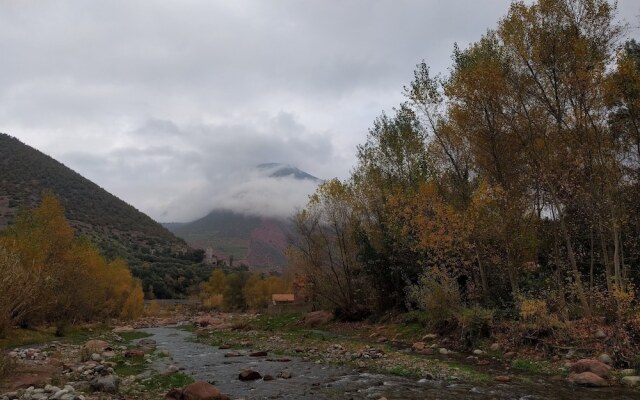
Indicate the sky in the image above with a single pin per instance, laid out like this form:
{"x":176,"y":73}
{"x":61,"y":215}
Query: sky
{"x":170,"y":105}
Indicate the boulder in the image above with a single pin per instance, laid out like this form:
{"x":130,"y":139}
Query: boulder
{"x":134,"y":353}
{"x":588,"y":365}
{"x":97,"y":345}
{"x":202,"y":390}
{"x":605,"y":358}
{"x":107,"y":384}
{"x":419,"y":346}
{"x":249,"y":375}
{"x":631,"y":381}
{"x":587,"y":379}
{"x":315,"y":318}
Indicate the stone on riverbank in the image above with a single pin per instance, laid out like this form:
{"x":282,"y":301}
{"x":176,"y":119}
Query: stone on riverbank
{"x":316,"y":318}
{"x":630,"y":381}
{"x":249,"y":375}
{"x":588,"y":379}
{"x":588,"y":365}
{"x":200,"y":390}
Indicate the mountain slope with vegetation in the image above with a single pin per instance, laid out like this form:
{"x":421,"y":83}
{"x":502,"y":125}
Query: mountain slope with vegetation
{"x":118,"y":229}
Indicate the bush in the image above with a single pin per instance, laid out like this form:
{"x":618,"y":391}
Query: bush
{"x":475,"y":323}
{"x":7,"y":364}
{"x":437,"y":294}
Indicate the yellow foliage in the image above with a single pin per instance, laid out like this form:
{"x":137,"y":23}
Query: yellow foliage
{"x":59,"y":278}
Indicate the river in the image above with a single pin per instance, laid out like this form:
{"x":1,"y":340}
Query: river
{"x":310,"y":380}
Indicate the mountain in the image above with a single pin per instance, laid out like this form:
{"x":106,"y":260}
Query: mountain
{"x":117,"y":228}
{"x":259,"y":241}
{"x":252,"y":240}
{"x":277,"y":170}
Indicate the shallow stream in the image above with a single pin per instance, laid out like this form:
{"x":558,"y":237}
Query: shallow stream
{"x":310,"y":380}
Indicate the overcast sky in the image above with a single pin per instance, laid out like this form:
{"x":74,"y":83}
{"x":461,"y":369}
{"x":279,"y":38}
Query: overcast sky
{"x":169,"y":104}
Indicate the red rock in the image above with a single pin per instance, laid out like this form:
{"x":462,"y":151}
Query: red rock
{"x":315,"y":318}
{"x":502,"y":378}
{"x":227,"y":355}
{"x":173,"y":394}
{"x":587,"y":379}
{"x":258,"y":354}
{"x":134,"y":353}
{"x":419,"y":346}
{"x":249,"y":375}
{"x":99,"y":345}
{"x":587,"y":365}
{"x":202,"y":391}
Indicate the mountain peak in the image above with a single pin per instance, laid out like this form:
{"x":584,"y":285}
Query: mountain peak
{"x":279,"y":170}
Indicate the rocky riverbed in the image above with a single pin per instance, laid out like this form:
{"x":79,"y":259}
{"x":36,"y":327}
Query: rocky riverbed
{"x":248,"y":363}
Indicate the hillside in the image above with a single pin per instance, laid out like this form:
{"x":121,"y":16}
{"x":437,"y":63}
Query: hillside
{"x":116,"y":227}
{"x":252,"y":240}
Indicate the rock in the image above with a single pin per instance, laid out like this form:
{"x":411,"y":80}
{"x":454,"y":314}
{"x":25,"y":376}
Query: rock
{"x":171,"y":370}
{"x":430,"y":336}
{"x":502,"y":378}
{"x":232,"y":354}
{"x":587,"y":379}
{"x":587,"y":365}
{"x":510,"y":354}
{"x":224,"y":347}
{"x":258,"y":354}
{"x":279,"y":359}
{"x":134,"y":353}
{"x":478,"y":352}
{"x":631,"y":381}
{"x":205,"y":320}
{"x":419,"y":346}
{"x":108,"y":354}
{"x":267,"y":378}
{"x":202,"y":390}
{"x":123,"y":329}
{"x":249,"y":375}
{"x":96,"y":345}
{"x":173,"y":394}
{"x":600,"y":334}
{"x":284,"y":375}
{"x":96,"y":357}
{"x":107,"y":384}
{"x":605,"y":358}
{"x":315,"y":318}
{"x":443,"y":351}
{"x":147,"y":342}
{"x":628,"y":372}
{"x":495,"y":347}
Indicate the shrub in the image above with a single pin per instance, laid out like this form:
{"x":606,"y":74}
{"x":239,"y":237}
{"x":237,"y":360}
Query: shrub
{"x":7,"y":365}
{"x":474,"y":323}
{"x":437,"y":294}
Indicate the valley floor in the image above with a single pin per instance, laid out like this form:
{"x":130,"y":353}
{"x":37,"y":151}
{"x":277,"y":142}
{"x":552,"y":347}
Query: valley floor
{"x":296,"y":360}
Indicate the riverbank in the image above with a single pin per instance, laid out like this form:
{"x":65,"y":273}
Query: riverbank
{"x":293,"y":357}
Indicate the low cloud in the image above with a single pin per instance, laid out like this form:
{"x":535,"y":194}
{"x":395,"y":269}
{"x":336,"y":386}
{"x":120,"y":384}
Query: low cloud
{"x":179,"y":173}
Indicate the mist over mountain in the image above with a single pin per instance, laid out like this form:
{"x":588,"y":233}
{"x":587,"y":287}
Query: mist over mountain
{"x":250,"y":221}
{"x":267,"y":190}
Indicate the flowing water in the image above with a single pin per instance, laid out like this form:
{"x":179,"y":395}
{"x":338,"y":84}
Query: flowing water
{"x":310,"y":380}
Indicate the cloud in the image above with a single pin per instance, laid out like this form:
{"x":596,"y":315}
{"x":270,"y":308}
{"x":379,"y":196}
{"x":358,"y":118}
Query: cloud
{"x":179,"y":173}
{"x":167,"y":104}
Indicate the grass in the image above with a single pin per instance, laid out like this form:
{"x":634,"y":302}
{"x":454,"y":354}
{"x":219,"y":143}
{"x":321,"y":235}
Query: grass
{"x":25,"y":337}
{"x":165,"y":382}
{"x":7,"y":364}
{"x":531,"y":367}
{"x":131,"y":336}
{"x":128,"y":366}
{"x":276,"y":322}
